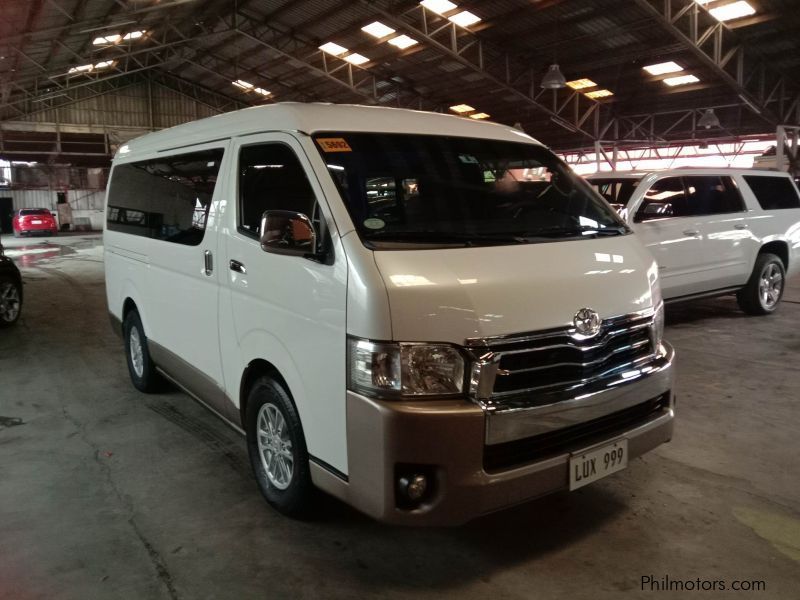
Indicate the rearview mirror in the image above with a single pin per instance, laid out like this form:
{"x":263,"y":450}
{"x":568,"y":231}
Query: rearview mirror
{"x":287,"y":232}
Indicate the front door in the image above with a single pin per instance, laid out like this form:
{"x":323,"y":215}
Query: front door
{"x":289,"y":310}
{"x":664,"y":223}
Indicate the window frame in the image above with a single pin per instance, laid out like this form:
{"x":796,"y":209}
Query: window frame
{"x":735,"y":188}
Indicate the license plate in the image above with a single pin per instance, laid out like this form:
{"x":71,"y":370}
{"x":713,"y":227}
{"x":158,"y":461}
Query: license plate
{"x":36,"y":222}
{"x":591,"y":465}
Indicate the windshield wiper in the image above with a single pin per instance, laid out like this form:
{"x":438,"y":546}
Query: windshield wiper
{"x":576,"y":231}
{"x":446,"y":237}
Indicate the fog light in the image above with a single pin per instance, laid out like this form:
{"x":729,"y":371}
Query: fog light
{"x":414,"y":487}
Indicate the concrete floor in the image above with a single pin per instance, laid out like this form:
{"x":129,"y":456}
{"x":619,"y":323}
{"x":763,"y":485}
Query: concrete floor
{"x":107,"y":493}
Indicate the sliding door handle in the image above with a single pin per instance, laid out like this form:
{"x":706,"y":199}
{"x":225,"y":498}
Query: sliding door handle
{"x":235,"y":265}
{"x":208,"y":261}
{"x":692,"y":232}
{"x":740,"y":226}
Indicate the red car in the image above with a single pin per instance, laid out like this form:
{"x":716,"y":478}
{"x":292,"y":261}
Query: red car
{"x":33,"y":221}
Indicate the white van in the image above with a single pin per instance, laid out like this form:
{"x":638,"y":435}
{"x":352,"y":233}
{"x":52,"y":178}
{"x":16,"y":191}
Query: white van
{"x":427,"y":317}
{"x":714,"y":231}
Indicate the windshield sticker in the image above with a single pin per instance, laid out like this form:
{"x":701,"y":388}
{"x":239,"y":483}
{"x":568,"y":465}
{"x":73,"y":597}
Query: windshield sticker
{"x":468,"y":159}
{"x":334,"y":145}
{"x":374,"y":223}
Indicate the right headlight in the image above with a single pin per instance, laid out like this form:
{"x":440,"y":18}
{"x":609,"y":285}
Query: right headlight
{"x":657,"y":327}
{"x":399,"y":369}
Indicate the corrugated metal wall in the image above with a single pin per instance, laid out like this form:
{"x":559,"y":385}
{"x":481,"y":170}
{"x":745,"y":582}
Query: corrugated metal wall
{"x":78,"y":199}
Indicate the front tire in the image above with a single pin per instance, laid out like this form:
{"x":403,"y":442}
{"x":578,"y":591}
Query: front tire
{"x":10,"y":301}
{"x":764,"y":290}
{"x":277,"y":448}
{"x":141,"y":367}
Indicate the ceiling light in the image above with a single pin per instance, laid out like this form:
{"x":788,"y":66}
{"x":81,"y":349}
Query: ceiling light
{"x":680,"y":80}
{"x":709,"y":119}
{"x":402,"y":41}
{"x":356,"y":59}
{"x":81,"y":69}
{"x":262,"y":91}
{"x":732,"y":11}
{"x":479,"y":116}
{"x":554,"y":79}
{"x":663,"y":68}
{"x":580,"y":84}
{"x":332,"y":48}
{"x":243,"y":84}
{"x":599,"y":94}
{"x":438,"y":6}
{"x":377,"y":29}
{"x":104,"y":65}
{"x":133,"y":35}
{"x":703,"y":2}
{"x":464,"y":18}
{"x":461,"y":108}
{"x":108,"y":39}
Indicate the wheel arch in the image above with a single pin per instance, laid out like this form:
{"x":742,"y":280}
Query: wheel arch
{"x":779,"y":248}
{"x":256,"y":368}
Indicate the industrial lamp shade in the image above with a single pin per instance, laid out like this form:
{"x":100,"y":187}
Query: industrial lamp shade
{"x":554,"y":79}
{"x":709,"y":119}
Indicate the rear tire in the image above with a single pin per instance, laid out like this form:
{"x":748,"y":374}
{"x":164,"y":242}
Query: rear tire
{"x":10,"y":301}
{"x":141,"y":367}
{"x":764,"y":290}
{"x":277,"y":448}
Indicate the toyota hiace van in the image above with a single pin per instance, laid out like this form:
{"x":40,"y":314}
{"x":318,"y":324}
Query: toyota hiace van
{"x":425,"y":316}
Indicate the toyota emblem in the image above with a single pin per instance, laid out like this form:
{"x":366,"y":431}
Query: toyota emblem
{"x":587,"y":322}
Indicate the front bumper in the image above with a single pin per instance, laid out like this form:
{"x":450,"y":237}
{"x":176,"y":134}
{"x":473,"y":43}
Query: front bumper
{"x":448,"y":440}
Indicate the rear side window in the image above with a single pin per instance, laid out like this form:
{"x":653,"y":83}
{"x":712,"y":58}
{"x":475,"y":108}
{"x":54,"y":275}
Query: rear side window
{"x":164,"y":198}
{"x":271,"y":178}
{"x":33,"y":211}
{"x":773,"y":192}
{"x":712,"y":195}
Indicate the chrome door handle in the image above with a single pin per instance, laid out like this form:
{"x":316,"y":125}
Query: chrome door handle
{"x":740,"y":226}
{"x":208,"y":261}
{"x":235,"y":265}
{"x":692,"y":232}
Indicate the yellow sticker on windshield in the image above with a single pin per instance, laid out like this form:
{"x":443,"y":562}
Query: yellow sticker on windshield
{"x":334,"y":145}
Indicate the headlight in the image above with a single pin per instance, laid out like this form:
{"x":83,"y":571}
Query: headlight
{"x":657,"y":328}
{"x":404,"y":369}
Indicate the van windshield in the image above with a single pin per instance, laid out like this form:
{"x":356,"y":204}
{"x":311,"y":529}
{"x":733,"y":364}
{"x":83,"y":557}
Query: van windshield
{"x":427,"y":189}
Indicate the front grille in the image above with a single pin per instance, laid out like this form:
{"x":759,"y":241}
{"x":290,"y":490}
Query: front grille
{"x":509,"y":454}
{"x":559,"y":360}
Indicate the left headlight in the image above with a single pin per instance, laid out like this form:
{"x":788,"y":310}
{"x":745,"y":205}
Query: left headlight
{"x":404,"y":369}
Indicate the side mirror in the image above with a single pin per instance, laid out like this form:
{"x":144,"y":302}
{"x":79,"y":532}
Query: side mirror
{"x":287,"y":232}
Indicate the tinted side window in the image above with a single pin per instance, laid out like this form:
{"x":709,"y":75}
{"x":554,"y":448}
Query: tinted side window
{"x":271,"y":178}
{"x":164,"y":198}
{"x":710,"y":195}
{"x":773,"y":192}
{"x":666,"y":198}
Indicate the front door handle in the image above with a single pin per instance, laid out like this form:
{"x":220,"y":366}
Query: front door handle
{"x":208,"y":262}
{"x":235,"y":265}
{"x":740,"y":226}
{"x":692,"y":232}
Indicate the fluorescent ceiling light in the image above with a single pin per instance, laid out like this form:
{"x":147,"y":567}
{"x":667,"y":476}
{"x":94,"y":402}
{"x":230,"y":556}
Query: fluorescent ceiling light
{"x":479,"y":116}
{"x":461,"y":108}
{"x":377,"y":29}
{"x":580,"y":84}
{"x":332,"y":48}
{"x":356,"y":58}
{"x":680,"y":80}
{"x":402,"y":41}
{"x":439,"y":6}
{"x":243,"y":84}
{"x":104,"y":65}
{"x":736,"y":10}
{"x":465,"y":18}
{"x":599,"y":94}
{"x":112,"y":38}
{"x":703,"y":2}
{"x":81,"y":69}
{"x":262,"y":91}
{"x":88,"y":68}
{"x":133,"y":35}
{"x":663,"y":68}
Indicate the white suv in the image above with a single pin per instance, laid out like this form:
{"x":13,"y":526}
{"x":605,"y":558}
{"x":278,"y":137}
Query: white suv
{"x":714,"y":231}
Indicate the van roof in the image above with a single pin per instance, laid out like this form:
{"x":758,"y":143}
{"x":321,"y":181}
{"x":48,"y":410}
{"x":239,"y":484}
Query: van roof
{"x":317,"y":117}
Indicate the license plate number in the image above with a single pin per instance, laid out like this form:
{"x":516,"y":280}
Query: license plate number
{"x":36,"y":222}
{"x":591,"y":465}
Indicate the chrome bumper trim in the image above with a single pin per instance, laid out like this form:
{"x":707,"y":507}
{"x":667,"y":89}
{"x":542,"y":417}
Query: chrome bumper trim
{"x":628,"y":389}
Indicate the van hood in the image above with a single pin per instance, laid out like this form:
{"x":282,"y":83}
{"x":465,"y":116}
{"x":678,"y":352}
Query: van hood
{"x":449,"y":295}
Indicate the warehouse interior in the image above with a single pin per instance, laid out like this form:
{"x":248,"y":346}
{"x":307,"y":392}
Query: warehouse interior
{"x":108,"y":493}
